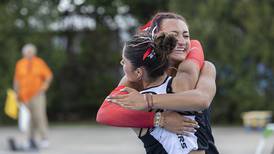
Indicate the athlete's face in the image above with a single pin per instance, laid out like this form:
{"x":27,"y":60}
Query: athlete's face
{"x":129,"y":70}
{"x":180,"y":29}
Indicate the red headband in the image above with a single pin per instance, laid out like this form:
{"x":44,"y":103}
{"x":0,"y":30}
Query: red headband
{"x":147,"y":53}
{"x":146,"y":26}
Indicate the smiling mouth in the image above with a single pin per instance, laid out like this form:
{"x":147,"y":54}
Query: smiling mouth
{"x":181,"y":50}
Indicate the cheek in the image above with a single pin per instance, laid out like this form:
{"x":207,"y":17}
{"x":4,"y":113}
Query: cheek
{"x":178,"y":57}
{"x":126,"y":70}
{"x":184,"y":55}
{"x":188,"y":43}
{"x":129,"y":73}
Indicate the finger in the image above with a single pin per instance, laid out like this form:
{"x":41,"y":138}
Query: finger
{"x":121,"y":104}
{"x":111,"y":100}
{"x":115,"y":101}
{"x":185,"y":119}
{"x":180,"y":132}
{"x":127,"y":106}
{"x":192,"y":125}
{"x":117,"y":96}
{"x":120,"y":100}
{"x":189,"y":129}
{"x":127,"y":89}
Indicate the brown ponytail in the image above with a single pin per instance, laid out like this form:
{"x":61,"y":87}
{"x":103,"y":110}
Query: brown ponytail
{"x":150,"y":53}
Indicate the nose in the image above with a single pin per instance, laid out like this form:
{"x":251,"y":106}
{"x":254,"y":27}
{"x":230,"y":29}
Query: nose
{"x":181,"y":41}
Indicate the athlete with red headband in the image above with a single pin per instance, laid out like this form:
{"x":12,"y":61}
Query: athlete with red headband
{"x":191,"y":100}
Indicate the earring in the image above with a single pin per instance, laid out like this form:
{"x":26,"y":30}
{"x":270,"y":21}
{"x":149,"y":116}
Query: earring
{"x":139,"y":74}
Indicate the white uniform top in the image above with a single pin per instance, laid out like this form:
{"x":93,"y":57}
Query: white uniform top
{"x":171,"y":142}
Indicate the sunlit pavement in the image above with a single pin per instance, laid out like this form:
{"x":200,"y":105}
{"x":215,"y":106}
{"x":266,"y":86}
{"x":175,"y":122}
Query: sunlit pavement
{"x":91,"y":139}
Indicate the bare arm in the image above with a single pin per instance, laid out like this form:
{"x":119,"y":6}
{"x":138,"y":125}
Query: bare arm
{"x":46,"y":84}
{"x":192,"y":100}
{"x":46,"y":75}
{"x":186,"y":77}
{"x":189,"y":70}
{"x":15,"y":86}
{"x":115,"y":115}
{"x":15,"y":82}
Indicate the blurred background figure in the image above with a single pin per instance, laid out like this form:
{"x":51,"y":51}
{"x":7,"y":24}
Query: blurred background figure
{"x":31,"y":81}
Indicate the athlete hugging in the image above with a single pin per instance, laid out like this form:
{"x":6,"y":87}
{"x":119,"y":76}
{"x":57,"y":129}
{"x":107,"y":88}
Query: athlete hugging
{"x":166,"y":91}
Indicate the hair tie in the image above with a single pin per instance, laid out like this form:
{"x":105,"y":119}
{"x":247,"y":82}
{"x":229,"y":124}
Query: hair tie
{"x":153,"y":32}
{"x":149,"y":53}
{"x":146,"y":26}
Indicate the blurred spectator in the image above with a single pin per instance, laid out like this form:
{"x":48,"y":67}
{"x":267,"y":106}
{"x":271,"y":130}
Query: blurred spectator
{"x":31,"y":81}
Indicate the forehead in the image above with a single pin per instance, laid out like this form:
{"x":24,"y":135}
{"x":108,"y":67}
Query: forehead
{"x":169,"y":25}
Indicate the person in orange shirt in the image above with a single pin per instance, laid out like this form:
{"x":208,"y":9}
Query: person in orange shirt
{"x":31,"y":81}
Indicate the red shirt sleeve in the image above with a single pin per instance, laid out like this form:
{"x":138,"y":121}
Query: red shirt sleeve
{"x":196,"y":53}
{"x":115,"y":115}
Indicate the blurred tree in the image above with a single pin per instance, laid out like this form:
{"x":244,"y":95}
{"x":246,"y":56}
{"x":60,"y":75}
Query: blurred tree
{"x":81,"y":41}
{"x":237,"y":37}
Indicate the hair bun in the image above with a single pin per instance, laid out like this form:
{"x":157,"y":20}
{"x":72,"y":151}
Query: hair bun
{"x":165,"y":42}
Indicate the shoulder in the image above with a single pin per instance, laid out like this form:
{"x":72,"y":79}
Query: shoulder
{"x":20,"y":62}
{"x":208,"y":69}
{"x":188,"y":66}
{"x":195,"y":42}
{"x":38,"y":59}
{"x":209,"y":66}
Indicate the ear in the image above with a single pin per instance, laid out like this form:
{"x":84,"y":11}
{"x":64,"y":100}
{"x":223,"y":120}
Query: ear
{"x":139,"y":72}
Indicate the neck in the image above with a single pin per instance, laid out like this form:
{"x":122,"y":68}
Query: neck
{"x":172,"y":69}
{"x":174,"y":64}
{"x":149,"y":83}
{"x":29,"y":57}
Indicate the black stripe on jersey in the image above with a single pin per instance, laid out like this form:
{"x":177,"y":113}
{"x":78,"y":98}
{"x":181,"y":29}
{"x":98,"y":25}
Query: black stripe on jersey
{"x":201,"y":132}
{"x":152,"y":146}
{"x":157,"y":85}
{"x":169,"y":87}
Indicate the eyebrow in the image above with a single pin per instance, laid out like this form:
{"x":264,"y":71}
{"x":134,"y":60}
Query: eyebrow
{"x":178,"y":31}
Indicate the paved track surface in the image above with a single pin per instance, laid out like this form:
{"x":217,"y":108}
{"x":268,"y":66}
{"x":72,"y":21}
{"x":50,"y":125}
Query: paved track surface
{"x":93,"y":139}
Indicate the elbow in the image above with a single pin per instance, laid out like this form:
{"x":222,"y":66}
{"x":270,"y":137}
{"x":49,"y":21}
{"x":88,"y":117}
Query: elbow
{"x":100,"y":118}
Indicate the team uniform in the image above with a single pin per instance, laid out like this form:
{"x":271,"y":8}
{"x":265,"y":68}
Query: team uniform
{"x":159,"y":140}
{"x":211,"y":148}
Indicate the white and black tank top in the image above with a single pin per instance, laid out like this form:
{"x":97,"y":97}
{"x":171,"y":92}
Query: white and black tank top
{"x":160,"y":141}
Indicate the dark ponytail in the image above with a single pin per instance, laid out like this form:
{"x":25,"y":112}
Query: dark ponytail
{"x":151,"y":53}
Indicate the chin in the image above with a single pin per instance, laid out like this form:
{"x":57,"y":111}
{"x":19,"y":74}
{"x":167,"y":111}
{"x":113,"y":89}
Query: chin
{"x":177,"y":59}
